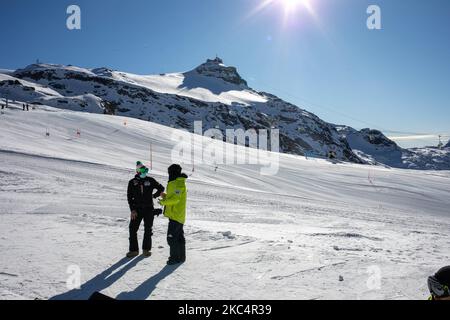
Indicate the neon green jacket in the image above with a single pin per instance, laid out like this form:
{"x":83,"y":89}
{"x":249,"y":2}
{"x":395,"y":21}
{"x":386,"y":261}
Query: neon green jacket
{"x":175,"y":201}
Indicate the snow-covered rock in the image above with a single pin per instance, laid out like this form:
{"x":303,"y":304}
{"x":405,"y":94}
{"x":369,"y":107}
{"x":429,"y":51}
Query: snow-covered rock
{"x":372,"y":146}
{"x":428,"y":158}
{"x":216,"y":69}
{"x":375,"y":148}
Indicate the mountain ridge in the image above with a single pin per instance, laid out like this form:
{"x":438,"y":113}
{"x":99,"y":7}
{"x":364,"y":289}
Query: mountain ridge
{"x":212,"y":92}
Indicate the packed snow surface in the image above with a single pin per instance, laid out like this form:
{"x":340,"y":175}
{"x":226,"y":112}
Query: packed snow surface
{"x":294,"y":235}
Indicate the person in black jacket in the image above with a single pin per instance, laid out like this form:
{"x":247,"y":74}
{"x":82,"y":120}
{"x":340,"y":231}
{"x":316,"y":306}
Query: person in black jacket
{"x":141,"y":192}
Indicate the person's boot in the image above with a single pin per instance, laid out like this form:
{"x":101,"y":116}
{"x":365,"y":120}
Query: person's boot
{"x":147,"y":253}
{"x":179,"y":258}
{"x":172,"y":262}
{"x":132,"y":254}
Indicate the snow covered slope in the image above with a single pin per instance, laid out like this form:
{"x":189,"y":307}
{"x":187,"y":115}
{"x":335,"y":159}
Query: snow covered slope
{"x":375,"y":148}
{"x":289,"y":236}
{"x":210,"y":82}
{"x":212,"y":93}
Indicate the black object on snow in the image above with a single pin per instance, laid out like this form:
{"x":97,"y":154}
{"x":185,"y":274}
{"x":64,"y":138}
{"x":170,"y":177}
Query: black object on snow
{"x":97,"y":296}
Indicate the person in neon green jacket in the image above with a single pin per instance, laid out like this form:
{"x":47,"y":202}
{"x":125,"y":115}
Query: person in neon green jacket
{"x":174,"y":202}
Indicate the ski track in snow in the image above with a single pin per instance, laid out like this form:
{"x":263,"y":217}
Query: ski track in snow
{"x":63,"y":203}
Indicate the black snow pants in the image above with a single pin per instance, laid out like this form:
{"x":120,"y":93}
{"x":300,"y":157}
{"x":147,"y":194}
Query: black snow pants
{"x":145,"y":214}
{"x":176,"y":241}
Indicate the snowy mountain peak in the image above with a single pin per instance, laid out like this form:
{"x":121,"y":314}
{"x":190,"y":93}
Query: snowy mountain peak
{"x":217,"y":69}
{"x":217,"y":95}
{"x":367,"y":137}
{"x":46,"y":67}
{"x":103,"y":72}
{"x":216,"y":60}
{"x":376,"y":137}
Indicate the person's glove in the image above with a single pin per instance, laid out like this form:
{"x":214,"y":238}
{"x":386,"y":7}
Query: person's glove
{"x":157,"y":212}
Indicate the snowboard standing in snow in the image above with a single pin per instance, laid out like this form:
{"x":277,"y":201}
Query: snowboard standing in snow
{"x":140,"y":199}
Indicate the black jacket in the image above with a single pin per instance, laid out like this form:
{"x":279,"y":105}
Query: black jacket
{"x":140,"y":192}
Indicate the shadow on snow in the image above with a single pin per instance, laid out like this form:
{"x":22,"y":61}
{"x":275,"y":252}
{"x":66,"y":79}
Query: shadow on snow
{"x":146,"y":288}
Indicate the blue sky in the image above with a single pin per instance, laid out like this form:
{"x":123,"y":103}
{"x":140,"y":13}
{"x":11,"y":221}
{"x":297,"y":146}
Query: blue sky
{"x":394,"y":79}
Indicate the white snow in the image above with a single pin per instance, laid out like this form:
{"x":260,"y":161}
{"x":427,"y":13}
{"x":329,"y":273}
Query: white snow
{"x":290,"y":236}
{"x":193,"y":85}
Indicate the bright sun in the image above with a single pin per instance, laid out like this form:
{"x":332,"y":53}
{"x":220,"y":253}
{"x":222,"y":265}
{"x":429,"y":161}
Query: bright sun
{"x":291,"y":5}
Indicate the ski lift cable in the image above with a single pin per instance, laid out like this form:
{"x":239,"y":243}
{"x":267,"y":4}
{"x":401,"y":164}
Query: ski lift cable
{"x":328,"y":108}
{"x":310,"y":103}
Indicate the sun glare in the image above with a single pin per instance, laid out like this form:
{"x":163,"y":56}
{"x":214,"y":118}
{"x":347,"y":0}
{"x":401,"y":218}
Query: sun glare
{"x":291,"y":10}
{"x":291,"y":6}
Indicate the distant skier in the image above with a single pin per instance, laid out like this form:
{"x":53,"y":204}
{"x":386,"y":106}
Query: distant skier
{"x":23,"y":106}
{"x":439,"y":284}
{"x":28,"y":107}
{"x":140,"y":199}
{"x":174,"y":202}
